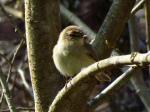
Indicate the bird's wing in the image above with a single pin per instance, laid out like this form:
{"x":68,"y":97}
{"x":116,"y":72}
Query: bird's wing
{"x":102,"y":77}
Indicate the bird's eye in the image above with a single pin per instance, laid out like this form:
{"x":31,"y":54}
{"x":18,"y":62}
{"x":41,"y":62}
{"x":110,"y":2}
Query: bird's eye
{"x":76,"y":34}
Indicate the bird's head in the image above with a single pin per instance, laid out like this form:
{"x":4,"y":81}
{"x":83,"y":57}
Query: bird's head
{"x":72,"y":35}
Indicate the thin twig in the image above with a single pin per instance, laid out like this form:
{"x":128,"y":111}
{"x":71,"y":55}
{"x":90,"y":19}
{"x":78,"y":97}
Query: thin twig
{"x":21,"y":72}
{"x":13,"y":59}
{"x":137,"y":7}
{"x":5,"y":58}
{"x":11,"y":65}
{"x":14,"y":12}
{"x":6,"y":92}
{"x":26,"y":85}
{"x":120,"y":81}
{"x":20,"y":109}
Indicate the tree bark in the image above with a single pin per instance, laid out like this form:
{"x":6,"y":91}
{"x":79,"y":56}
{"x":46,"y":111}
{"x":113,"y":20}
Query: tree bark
{"x":42,"y":29}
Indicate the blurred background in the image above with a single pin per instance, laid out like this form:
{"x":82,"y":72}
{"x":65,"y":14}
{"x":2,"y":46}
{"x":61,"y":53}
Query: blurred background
{"x":14,"y":62}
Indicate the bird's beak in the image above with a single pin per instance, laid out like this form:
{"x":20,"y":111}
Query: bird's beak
{"x":86,"y":39}
{"x":85,"y":36}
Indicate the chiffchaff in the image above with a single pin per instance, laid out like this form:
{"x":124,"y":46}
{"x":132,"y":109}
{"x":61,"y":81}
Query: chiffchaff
{"x":72,"y":52}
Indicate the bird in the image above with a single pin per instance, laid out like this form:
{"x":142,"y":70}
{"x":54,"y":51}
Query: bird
{"x":73,"y":52}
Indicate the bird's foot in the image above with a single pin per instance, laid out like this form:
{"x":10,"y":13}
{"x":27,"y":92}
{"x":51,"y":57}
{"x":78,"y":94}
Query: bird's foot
{"x":68,"y":81}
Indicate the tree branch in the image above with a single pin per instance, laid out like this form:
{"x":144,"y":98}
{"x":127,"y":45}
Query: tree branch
{"x":112,"y":27}
{"x":81,"y":78}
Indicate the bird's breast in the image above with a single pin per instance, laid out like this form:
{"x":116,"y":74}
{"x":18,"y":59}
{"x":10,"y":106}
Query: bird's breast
{"x":69,"y":63}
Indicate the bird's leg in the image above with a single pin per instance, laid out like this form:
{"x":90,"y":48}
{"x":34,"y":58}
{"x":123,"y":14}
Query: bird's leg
{"x":68,"y":79}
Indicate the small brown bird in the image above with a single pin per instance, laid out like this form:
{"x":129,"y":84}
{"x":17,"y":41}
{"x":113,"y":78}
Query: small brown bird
{"x":72,"y":52}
